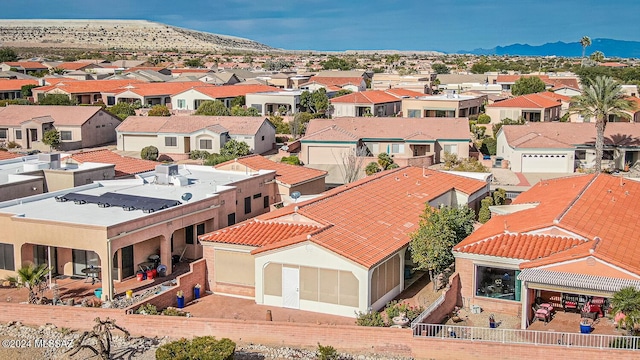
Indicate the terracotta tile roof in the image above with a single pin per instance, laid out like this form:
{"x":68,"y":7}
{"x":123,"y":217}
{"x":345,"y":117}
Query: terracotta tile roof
{"x":521,"y":246}
{"x":14,"y":115}
{"x":366,"y":97}
{"x":258,"y":233}
{"x":160,"y":88}
{"x":15,"y":84}
{"x":404,"y":93}
{"x":530,"y":101}
{"x":354,"y":128}
{"x":6,"y":155}
{"x":568,"y":135}
{"x":613,"y":64}
{"x":238,"y":125}
{"x":90,"y":86}
{"x":180,"y":71}
{"x":555,"y":96}
{"x":568,"y":82}
{"x":285,"y":173}
{"x":26,"y":64}
{"x":370,"y":219}
{"x":601,"y":208}
{"x":72,"y":65}
{"x":228,"y":91}
{"x":152,"y":68}
{"x":125,"y":166}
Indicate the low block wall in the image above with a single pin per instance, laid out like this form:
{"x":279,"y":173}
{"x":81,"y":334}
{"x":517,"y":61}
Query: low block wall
{"x":399,"y":342}
{"x":451,"y":300}
{"x":186,"y":282}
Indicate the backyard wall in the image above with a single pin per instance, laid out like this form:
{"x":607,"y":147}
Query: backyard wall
{"x":398,"y":342}
{"x":451,"y":300}
{"x":196,"y":275}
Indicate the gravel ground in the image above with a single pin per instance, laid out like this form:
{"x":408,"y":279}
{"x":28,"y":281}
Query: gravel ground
{"x":16,"y":339}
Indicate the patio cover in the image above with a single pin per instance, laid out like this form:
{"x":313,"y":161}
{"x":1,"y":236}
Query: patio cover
{"x":580,"y":281}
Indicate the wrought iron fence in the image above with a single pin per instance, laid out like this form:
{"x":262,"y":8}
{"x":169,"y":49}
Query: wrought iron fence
{"x":514,"y":336}
{"x":428,"y":311}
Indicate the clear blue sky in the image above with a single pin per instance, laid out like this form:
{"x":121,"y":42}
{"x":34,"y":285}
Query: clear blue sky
{"x":365,"y":24}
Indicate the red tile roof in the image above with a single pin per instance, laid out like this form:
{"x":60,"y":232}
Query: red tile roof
{"x":404,"y":92}
{"x":370,"y":219}
{"x":26,"y":64}
{"x":228,"y":91}
{"x":366,"y":97}
{"x":15,"y":84}
{"x":240,"y":125}
{"x":73,"y":65}
{"x":521,"y":246}
{"x":6,"y":155}
{"x":258,"y":233}
{"x":530,"y":101}
{"x":161,"y":88}
{"x":285,"y":173}
{"x":14,"y":115}
{"x":89,"y":86}
{"x":568,"y":135}
{"x":152,"y":68}
{"x":603,"y":209}
{"x":125,"y":166}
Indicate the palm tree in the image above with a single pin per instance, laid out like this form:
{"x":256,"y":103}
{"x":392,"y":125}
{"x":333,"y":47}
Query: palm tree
{"x":600,"y":99}
{"x":597,"y":56}
{"x":627,"y":302}
{"x":585,"y":41}
{"x":33,"y":278}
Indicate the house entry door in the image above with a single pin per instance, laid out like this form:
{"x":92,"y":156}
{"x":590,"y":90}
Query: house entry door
{"x":291,"y":287}
{"x":127,"y":262}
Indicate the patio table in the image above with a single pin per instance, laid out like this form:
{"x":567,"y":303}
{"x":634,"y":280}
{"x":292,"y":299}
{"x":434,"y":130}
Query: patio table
{"x":92,"y":273}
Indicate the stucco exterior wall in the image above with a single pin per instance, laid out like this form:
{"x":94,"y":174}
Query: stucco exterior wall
{"x":99,"y":129}
{"x":23,"y":188}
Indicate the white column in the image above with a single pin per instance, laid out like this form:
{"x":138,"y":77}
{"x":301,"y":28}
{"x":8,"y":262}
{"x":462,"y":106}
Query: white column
{"x":524,"y":299}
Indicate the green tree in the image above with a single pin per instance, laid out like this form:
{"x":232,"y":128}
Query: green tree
{"x":489,"y":146}
{"x":7,"y":54}
{"x":280,"y":125}
{"x":528,"y":85}
{"x":505,"y":121}
{"x":159,"y":110}
{"x":238,"y":101}
{"x":627,"y":302}
{"x":484,"y":119}
{"x":339,"y":63}
{"x":242,"y":111}
{"x":315,"y":102}
{"x":601,"y":98}
{"x":194,"y":63}
{"x":198,"y":348}
{"x":485,"y":214}
{"x":33,"y":278}
{"x":440,"y":68}
{"x":372,"y":168}
{"x":51,"y":138}
{"x":584,"y":41}
{"x":439,"y":231}
{"x":481,"y":67}
{"x":343,"y":92}
{"x":55,"y":99}
{"x":25,"y":90}
{"x":500,"y":196}
{"x":149,"y":153}
{"x":453,"y":163}
{"x":235,"y":148}
{"x":298,"y":125}
{"x":386,"y":162}
{"x":212,"y":108}
{"x":597,"y":56}
{"x":291,"y":160}
{"x":122,"y":110}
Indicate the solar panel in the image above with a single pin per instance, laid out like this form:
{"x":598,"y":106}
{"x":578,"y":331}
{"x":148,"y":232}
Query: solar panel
{"x":125,"y":201}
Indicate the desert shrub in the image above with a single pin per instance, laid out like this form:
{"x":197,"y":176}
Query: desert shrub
{"x":282,"y":139}
{"x":147,"y":309}
{"x":291,"y":160}
{"x":171,"y":311}
{"x":394,"y":308}
{"x":372,"y":318}
{"x":485,"y":214}
{"x":198,"y":154}
{"x":165,"y":158}
{"x":13,"y":145}
{"x":199,"y":348}
{"x":149,"y":153}
{"x":327,"y":353}
{"x":215,"y":159}
{"x":484,"y":119}
{"x":489,"y":146}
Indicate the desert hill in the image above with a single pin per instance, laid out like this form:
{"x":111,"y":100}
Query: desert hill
{"x":118,"y":35}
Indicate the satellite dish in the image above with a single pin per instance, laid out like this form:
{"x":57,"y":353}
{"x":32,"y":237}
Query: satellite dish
{"x":295,"y":195}
{"x":186,"y":196}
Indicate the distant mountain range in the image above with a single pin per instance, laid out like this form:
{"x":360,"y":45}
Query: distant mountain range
{"x":609,"y":47}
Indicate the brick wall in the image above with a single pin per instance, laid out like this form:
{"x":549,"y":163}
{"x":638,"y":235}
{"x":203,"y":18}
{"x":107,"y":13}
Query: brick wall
{"x":356,"y":339}
{"x":451,"y":300}
{"x":186,"y":282}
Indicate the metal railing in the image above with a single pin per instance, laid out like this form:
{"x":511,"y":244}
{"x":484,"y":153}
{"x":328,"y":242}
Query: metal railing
{"x":514,"y":336}
{"x":427,"y":311}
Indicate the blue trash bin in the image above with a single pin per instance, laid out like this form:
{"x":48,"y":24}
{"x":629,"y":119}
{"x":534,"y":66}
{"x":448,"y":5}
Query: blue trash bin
{"x":196,"y":293}
{"x":585,"y":329}
{"x":180,"y":302}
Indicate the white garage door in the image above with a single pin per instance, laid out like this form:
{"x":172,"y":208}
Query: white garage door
{"x":545,"y":163}
{"x":137,"y":142}
{"x":326,"y":155}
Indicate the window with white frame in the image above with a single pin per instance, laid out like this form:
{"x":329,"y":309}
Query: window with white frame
{"x":397,"y":148}
{"x":412,"y":113}
{"x":182,"y":103}
{"x":170,"y":141}
{"x":451,"y":148}
{"x":18,"y":134}
{"x":206,"y":144}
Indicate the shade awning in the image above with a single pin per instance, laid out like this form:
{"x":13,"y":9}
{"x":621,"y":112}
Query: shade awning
{"x":590,"y":282}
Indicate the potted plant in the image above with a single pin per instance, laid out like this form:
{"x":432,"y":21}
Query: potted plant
{"x":627,"y":166}
{"x":196,"y":291}
{"x":180,"y":298}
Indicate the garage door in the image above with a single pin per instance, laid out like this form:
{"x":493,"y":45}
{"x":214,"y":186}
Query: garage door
{"x":545,"y":163}
{"x":137,"y":142}
{"x":326,"y":155}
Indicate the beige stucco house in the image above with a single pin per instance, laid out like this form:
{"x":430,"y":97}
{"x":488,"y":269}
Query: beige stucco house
{"x":79,"y":126}
{"x":338,"y":254}
{"x":419,"y":142}
{"x":446,"y":105}
{"x":116,"y":225}
{"x":177,"y":136}
{"x":191,"y":99}
{"x":532,"y":107}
